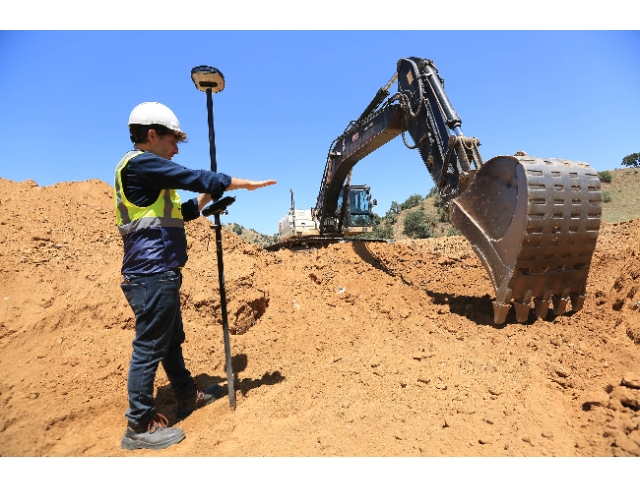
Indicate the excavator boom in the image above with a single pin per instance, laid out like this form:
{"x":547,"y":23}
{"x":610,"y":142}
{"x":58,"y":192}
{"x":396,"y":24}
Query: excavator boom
{"x":533,"y":222}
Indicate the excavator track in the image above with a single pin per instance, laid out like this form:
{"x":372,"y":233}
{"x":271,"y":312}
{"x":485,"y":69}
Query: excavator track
{"x":534,"y":223}
{"x":316,"y":242}
{"x":306,"y":243}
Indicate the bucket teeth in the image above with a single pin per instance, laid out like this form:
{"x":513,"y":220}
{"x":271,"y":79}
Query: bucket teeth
{"x":523,"y":308}
{"x":500,"y":312}
{"x":560,"y":305}
{"x":542,"y":307}
{"x":522,"y":311}
{"x":577,"y":301}
{"x":560,"y":302}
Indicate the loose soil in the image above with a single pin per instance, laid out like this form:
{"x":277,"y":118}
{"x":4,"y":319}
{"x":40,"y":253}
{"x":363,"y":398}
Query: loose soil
{"x":357,"y":349}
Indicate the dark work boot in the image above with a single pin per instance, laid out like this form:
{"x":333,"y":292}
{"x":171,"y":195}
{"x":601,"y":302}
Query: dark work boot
{"x":198,"y":399}
{"x":155,"y":436}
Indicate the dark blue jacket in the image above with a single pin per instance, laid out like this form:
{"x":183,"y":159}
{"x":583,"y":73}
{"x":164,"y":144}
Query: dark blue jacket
{"x":153,"y":250}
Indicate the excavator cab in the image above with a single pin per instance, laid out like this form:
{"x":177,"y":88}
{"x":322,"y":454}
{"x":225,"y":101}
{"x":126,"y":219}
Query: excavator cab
{"x":300,"y":229}
{"x":357,"y":209}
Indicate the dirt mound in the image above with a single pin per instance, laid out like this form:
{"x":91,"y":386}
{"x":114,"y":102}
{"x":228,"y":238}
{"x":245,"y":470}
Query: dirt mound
{"x":357,"y":349}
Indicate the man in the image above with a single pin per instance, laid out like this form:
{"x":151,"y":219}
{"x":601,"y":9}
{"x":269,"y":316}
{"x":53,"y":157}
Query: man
{"x":150,"y":217}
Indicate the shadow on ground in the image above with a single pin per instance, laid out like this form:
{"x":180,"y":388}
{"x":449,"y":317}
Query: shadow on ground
{"x":166,"y":403}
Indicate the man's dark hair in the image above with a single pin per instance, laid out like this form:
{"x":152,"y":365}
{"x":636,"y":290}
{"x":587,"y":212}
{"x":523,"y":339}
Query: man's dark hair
{"x":139,"y":134}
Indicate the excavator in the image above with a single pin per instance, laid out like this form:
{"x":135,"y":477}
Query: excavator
{"x":299,"y":228}
{"x":532,"y":221}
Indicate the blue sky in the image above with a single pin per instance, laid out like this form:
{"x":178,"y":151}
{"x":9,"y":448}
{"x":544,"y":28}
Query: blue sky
{"x":65,"y":98}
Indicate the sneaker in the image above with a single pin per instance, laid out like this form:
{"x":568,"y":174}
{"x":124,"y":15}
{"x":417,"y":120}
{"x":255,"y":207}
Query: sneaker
{"x":156,"y":436}
{"x":198,"y":399}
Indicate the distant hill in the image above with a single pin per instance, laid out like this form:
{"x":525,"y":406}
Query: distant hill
{"x":427,"y":217}
{"x":621,"y":196}
{"x":250,"y":235}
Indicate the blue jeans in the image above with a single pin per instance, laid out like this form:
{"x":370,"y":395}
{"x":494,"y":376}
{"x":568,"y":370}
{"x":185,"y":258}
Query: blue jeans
{"x":155,"y":301}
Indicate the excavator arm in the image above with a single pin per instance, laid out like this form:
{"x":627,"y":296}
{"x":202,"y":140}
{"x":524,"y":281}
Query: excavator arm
{"x":421,"y":109}
{"x":533,"y":222}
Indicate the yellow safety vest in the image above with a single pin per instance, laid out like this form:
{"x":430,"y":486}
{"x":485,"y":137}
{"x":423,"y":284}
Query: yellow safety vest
{"x":154,"y":237}
{"x":164,"y":212}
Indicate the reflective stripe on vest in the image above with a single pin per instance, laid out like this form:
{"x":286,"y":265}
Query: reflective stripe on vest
{"x":164,"y":212}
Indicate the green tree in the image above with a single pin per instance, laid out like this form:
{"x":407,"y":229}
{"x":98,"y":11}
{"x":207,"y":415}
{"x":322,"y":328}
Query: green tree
{"x":391,"y":217}
{"x":632,"y":160}
{"x":605,"y":176}
{"x":382,"y":229}
{"x":443,"y":216}
{"x":418,"y":225}
{"x":413,"y":200}
{"x":432,"y":192}
{"x":395,"y":208}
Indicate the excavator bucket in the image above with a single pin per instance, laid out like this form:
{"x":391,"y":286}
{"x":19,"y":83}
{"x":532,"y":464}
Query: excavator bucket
{"x":533,"y":223}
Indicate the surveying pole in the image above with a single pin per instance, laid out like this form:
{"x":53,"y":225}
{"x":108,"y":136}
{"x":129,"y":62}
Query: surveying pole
{"x":209,"y":80}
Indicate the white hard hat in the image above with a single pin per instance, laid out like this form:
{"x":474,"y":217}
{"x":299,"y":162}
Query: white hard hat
{"x":152,"y":112}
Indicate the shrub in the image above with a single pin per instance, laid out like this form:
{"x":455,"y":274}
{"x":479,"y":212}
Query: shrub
{"x":605,"y":176}
{"x":443,"y":216}
{"x":391,"y":218}
{"x":606,"y":197}
{"x":452,"y":232}
{"x":381,"y":229}
{"x":413,"y":200}
{"x":432,"y":192}
{"x":418,"y":225}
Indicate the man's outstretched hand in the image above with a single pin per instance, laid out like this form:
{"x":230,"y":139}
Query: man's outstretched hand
{"x":237,"y":183}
